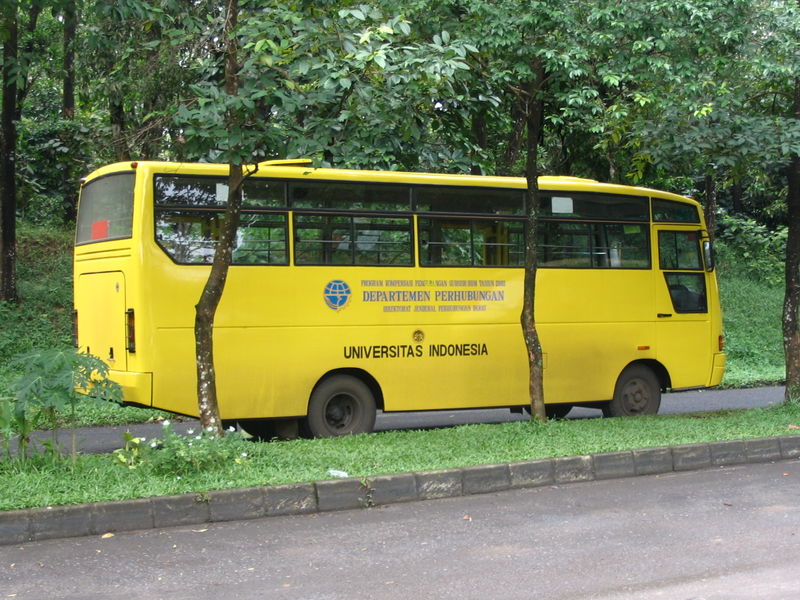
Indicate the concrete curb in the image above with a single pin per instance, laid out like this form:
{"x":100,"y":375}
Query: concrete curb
{"x":19,"y":526}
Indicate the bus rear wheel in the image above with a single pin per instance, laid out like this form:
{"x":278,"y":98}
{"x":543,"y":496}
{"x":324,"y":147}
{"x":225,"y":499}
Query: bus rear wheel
{"x":341,"y":405}
{"x":637,"y":393}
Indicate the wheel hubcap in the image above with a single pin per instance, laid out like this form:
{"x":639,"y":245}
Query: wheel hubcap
{"x":339,"y":411}
{"x":635,"y":397}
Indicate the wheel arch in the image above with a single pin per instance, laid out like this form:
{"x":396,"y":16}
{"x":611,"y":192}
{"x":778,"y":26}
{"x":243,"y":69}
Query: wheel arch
{"x":360,"y":374}
{"x":658,"y":369}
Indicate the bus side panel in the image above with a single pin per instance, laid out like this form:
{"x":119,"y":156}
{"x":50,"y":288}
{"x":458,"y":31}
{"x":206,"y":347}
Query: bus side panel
{"x":584,"y":360}
{"x":592,"y":323}
{"x":271,"y":371}
{"x":452,"y":366}
{"x":276,"y":335}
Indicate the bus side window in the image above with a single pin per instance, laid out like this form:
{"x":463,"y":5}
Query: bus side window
{"x":679,"y":256}
{"x":448,"y":241}
{"x":581,"y":245}
{"x":679,"y":250}
{"x":190,"y":237}
{"x":325,"y":239}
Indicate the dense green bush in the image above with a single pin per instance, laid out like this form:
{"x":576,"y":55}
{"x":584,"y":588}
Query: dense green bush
{"x":751,"y":249}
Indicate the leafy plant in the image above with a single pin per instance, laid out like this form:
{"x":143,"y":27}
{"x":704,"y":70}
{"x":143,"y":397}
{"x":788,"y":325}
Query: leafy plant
{"x":132,"y":454}
{"x":51,"y":381}
{"x":758,"y":251}
{"x":179,"y":455}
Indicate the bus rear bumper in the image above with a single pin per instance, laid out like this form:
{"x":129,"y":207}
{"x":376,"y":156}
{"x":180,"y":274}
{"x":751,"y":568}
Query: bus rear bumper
{"x":717,"y":370}
{"x":137,"y":388}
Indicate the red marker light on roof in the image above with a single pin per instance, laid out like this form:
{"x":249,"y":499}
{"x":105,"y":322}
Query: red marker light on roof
{"x":134,"y":164}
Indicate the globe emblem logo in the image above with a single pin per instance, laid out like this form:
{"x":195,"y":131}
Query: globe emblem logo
{"x":337,"y":294}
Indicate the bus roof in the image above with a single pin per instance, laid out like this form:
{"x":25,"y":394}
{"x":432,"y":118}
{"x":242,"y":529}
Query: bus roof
{"x":303,"y":169}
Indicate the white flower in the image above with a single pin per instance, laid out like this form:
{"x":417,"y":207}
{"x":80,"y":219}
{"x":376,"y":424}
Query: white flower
{"x":231,"y":429}
{"x":244,"y":454}
{"x":190,"y":431}
{"x":153,"y":444}
{"x":165,"y":423}
{"x":141,"y":439}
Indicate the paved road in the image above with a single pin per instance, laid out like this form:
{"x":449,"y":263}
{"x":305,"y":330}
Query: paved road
{"x":106,"y":439}
{"x":728,"y":534}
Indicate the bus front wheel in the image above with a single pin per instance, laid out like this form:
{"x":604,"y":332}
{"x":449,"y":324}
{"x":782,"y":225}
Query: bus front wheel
{"x":341,"y":405}
{"x":637,"y":393}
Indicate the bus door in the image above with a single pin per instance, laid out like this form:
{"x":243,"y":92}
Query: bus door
{"x":103,"y":330}
{"x":683,"y":323}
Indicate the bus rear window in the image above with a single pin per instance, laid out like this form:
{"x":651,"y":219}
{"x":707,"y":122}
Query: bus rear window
{"x":106,"y":209}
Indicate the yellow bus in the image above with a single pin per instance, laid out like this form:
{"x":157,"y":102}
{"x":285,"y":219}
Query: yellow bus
{"x":356,"y":291}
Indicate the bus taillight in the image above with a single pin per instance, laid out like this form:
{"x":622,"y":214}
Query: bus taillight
{"x":721,"y":343}
{"x":75,"y":328}
{"x":131,"y":326}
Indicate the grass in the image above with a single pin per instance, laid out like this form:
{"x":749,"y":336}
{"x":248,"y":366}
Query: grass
{"x":45,"y":482}
{"x":753,"y":338}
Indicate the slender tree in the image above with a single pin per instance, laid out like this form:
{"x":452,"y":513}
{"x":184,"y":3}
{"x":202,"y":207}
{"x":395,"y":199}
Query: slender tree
{"x":212,"y":292}
{"x":791,"y":306}
{"x":534,"y":113}
{"x":9,"y":29}
{"x":70,"y":15}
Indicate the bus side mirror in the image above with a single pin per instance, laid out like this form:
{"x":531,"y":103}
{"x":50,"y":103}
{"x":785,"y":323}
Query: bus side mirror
{"x":708,"y":255}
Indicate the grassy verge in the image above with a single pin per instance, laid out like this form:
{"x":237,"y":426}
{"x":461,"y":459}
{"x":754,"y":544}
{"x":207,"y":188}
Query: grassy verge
{"x":753,"y":338}
{"x":43,"y":482}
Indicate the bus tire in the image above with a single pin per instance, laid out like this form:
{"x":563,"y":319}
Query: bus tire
{"x":637,"y":392}
{"x":341,"y":405}
{"x":557,"y":411}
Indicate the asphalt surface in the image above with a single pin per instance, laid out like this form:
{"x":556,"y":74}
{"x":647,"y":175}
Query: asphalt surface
{"x":107,"y":439}
{"x":725,"y":533}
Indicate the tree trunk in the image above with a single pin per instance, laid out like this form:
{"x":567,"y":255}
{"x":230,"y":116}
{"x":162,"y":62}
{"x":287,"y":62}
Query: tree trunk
{"x":479,"y":137}
{"x":791,"y":303}
{"x":116,"y":114}
{"x":206,"y":308}
{"x":737,"y":193}
{"x":212,"y":293}
{"x":512,"y":151}
{"x":710,"y":205}
{"x":26,"y":52}
{"x":533,"y":120}
{"x":70,"y":28}
{"x":68,"y":100}
{"x":8,"y":145}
